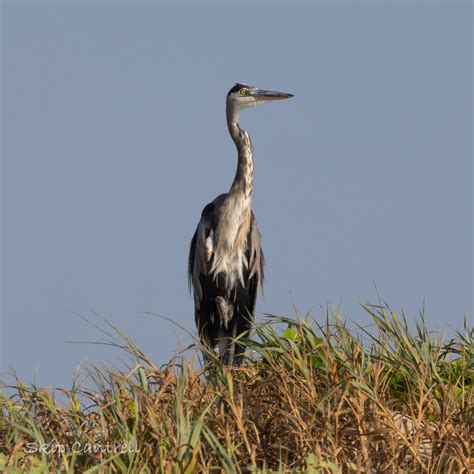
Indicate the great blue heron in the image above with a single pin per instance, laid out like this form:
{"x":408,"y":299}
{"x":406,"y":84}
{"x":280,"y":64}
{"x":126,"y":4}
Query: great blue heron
{"x":226,"y":260}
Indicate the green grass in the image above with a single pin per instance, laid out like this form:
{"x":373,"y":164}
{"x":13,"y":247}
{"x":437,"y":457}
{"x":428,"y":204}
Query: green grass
{"x":311,"y":397}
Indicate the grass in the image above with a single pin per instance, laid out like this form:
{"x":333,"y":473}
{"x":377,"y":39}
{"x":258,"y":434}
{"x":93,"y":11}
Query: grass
{"x":310,"y":398}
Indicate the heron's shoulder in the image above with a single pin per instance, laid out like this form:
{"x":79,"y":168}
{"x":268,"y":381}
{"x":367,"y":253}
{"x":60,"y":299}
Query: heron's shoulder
{"x":212,"y":207}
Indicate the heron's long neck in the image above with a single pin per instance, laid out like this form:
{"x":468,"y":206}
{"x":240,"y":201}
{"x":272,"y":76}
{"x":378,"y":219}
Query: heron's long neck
{"x":234,"y":222}
{"x":243,"y":181}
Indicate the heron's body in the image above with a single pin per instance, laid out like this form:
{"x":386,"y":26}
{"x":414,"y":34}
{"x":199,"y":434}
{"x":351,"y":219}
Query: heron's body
{"x":226,"y":261}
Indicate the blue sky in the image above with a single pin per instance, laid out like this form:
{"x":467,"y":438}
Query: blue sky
{"x":114,"y":139}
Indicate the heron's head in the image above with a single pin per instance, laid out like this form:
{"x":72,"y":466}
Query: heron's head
{"x":242,"y":96}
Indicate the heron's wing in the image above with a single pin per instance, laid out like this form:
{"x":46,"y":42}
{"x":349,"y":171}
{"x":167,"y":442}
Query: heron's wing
{"x":204,"y":286}
{"x":201,"y":243}
{"x":256,"y":258}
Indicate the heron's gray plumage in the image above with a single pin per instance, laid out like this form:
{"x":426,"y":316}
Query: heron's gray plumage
{"x":226,"y":262}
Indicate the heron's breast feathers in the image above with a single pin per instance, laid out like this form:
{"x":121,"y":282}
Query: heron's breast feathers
{"x":229,"y":247}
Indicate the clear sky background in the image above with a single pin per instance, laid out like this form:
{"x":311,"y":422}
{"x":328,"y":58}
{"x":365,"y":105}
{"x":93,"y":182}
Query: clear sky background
{"x":114,"y":138}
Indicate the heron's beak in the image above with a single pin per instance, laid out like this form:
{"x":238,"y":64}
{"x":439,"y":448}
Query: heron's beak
{"x":262,"y":96}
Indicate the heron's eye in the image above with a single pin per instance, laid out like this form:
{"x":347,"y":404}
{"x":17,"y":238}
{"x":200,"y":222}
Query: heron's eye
{"x":243,"y":91}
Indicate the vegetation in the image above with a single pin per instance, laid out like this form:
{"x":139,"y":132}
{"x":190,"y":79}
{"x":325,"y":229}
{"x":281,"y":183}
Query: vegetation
{"x":310,"y":398}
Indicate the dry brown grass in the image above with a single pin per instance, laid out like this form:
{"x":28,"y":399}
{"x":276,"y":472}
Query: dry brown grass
{"x":313,"y":399}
